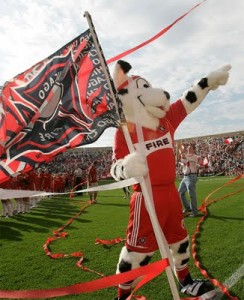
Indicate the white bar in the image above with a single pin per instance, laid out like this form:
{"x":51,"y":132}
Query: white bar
{"x":12,"y":194}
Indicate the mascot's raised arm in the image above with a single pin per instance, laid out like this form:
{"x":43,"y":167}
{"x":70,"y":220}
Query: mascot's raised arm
{"x":151,"y":109}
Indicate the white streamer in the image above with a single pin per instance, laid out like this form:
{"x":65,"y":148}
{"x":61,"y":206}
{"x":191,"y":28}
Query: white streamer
{"x":12,"y":194}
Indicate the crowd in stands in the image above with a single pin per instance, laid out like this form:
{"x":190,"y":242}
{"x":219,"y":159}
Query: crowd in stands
{"x":219,"y":155}
{"x":69,"y":161}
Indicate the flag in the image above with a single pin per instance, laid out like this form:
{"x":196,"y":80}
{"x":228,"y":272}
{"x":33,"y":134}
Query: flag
{"x":228,"y":141}
{"x":60,"y":103}
{"x":205,"y":162}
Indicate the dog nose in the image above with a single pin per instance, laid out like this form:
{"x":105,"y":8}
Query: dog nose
{"x":167,"y":95}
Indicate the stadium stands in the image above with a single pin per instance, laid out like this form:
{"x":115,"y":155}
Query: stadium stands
{"x":220,"y":155}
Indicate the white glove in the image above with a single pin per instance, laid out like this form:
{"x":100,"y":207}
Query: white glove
{"x":218,"y":77}
{"x":134,"y":165}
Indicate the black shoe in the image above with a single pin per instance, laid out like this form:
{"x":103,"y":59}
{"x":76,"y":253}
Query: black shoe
{"x":191,"y":215}
{"x":198,"y":287}
{"x":186,"y":212}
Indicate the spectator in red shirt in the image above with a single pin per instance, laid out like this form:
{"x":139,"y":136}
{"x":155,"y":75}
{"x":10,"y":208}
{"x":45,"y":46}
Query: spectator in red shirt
{"x":92,"y":181}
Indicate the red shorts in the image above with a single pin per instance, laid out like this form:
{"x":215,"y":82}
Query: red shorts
{"x":140,"y":234}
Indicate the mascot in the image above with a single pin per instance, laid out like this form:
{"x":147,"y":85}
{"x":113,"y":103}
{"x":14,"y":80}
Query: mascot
{"x":150,"y":108}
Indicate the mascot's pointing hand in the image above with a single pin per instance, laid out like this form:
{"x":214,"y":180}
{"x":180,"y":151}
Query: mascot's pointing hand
{"x":192,"y":97}
{"x":218,"y":77}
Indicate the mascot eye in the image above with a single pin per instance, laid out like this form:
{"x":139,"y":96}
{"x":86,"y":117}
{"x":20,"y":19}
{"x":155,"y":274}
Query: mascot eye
{"x":142,"y":83}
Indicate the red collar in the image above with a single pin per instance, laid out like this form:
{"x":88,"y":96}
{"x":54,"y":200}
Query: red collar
{"x":125,"y":83}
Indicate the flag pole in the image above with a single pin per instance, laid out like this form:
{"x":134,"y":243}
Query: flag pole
{"x":102,"y":59}
{"x":145,"y":184}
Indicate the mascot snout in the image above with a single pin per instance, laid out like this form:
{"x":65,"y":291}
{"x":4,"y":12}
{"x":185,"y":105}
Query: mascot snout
{"x":154,"y":97}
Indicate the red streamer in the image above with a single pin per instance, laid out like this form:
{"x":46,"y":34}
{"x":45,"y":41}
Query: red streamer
{"x":57,"y":234}
{"x":109,"y":242}
{"x":159,"y":34}
{"x":148,"y":272}
{"x":71,"y":195}
{"x":203,"y":209}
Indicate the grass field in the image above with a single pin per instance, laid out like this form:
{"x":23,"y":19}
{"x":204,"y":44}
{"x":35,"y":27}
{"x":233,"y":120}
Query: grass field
{"x":24,"y":264}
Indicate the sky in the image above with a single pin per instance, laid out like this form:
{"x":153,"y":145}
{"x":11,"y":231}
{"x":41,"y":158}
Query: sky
{"x":211,"y":36}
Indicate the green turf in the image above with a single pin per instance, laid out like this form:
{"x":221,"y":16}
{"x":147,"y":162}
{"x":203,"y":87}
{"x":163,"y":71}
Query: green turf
{"x":24,"y":264}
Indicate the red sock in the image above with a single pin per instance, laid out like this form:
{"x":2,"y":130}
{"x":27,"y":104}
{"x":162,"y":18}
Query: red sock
{"x":122,"y":292}
{"x":182,"y":274}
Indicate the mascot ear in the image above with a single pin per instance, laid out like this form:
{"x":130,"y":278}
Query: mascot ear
{"x":125,"y":66}
{"x":120,"y":72}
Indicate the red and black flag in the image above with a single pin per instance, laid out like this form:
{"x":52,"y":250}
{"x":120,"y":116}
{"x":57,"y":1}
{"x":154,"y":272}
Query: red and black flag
{"x":60,"y":103}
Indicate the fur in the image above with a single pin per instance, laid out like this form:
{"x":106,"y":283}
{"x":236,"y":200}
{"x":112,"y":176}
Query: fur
{"x":180,"y":253}
{"x":130,"y":260}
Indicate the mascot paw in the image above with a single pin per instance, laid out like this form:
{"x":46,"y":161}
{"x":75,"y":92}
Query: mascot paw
{"x":218,"y":77}
{"x":134,"y":165}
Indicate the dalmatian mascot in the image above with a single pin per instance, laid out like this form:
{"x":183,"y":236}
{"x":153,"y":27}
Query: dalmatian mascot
{"x":150,"y":108}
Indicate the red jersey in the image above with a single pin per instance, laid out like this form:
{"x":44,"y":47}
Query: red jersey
{"x":92,"y":174}
{"x":158,"y":145}
{"x":159,"y":149}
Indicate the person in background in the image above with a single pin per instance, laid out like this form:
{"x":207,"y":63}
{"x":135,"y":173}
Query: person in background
{"x":46,"y":182}
{"x":126,"y":191}
{"x":78,"y":180}
{"x":189,"y":162}
{"x":92,"y":181}
{"x":7,"y":208}
{"x":7,"y":204}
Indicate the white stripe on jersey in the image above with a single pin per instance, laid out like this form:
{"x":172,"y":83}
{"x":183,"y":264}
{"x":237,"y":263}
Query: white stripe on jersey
{"x":136,"y":221}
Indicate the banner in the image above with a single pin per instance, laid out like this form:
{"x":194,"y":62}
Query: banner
{"x":228,"y":141}
{"x":60,"y":103}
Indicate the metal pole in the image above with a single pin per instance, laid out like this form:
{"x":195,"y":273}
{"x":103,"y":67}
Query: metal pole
{"x":102,"y":59}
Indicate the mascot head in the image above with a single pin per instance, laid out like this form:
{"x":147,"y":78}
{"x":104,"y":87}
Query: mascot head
{"x":141,"y":102}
